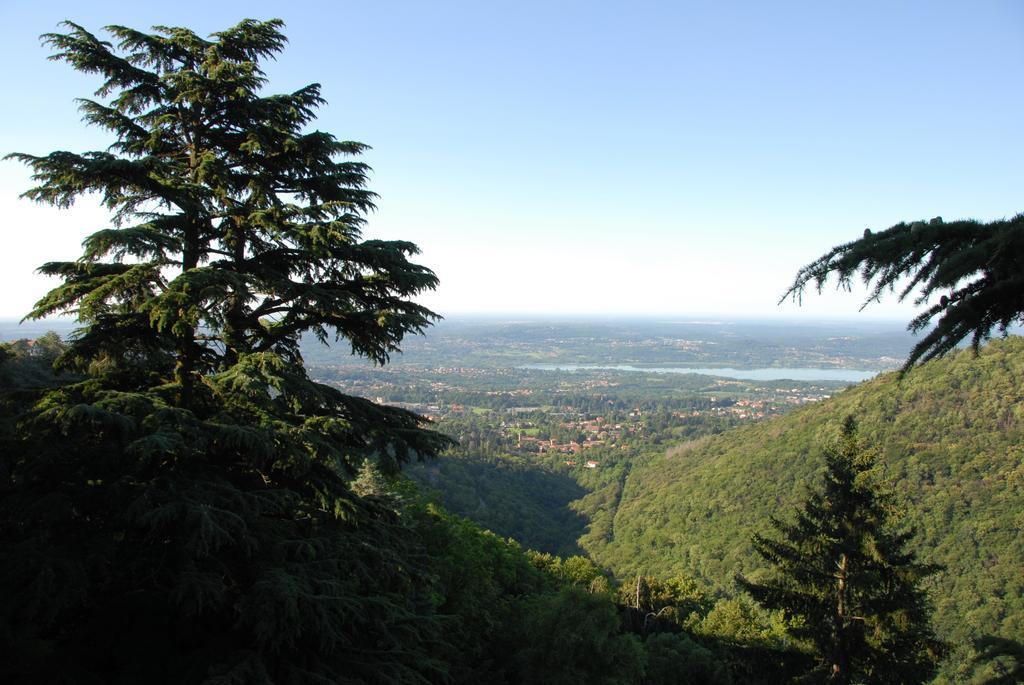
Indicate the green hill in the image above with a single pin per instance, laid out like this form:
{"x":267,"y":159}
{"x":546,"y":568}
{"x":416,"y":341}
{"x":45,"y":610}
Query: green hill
{"x":951,"y":440}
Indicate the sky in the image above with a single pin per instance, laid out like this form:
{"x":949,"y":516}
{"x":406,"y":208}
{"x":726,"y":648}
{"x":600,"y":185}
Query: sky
{"x":643,"y":158}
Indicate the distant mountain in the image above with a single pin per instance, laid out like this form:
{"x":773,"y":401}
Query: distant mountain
{"x":747,"y":344}
{"x":951,"y":440}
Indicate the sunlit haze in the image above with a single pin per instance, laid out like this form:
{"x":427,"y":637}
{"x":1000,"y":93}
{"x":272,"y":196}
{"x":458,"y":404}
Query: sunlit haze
{"x":598,"y":158}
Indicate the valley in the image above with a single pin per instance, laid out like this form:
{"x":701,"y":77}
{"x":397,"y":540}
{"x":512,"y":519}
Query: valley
{"x":537,"y":446}
{"x":670,"y":475}
{"x":634,"y":474}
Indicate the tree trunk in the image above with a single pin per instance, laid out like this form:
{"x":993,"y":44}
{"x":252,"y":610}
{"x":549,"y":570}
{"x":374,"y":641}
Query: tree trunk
{"x":184,"y":367}
{"x":840,"y":672}
{"x":234,"y":318}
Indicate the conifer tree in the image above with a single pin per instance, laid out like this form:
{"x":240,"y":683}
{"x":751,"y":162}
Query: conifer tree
{"x":975,"y":269}
{"x":180,"y":510}
{"x":847,"y":581}
{"x":235,"y":230}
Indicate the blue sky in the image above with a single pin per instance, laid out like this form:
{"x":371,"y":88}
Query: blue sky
{"x":585,"y":157}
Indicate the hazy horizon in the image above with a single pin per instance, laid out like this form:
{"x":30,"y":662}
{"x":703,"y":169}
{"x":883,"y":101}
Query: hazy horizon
{"x":664,"y":317}
{"x":583,"y":158}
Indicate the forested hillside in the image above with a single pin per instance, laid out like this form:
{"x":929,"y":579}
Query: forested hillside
{"x":183,"y":501}
{"x":949,"y":436}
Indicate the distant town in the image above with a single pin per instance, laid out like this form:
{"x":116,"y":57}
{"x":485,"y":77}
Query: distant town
{"x":527,"y":411}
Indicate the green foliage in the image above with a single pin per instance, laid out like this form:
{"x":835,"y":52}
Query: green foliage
{"x":676,"y":658}
{"x":186,"y":505}
{"x":1001,"y":658}
{"x":688,"y":634}
{"x":654,"y":603}
{"x":26,"y":371}
{"x":512,"y":495}
{"x":738,"y":621}
{"x":847,"y":578}
{"x":581,"y":642}
{"x":235,"y":230}
{"x":949,"y":436}
{"x":195,"y":567}
{"x":478,"y":580}
{"x":514,"y":617}
{"x":178,"y":510}
{"x":978,"y":269}
{"x":143,"y":550}
{"x":183,"y":504}
{"x":27,"y":365}
{"x":575,"y":571}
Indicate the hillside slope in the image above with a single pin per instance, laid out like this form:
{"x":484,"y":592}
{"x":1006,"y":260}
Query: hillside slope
{"x":951,"y":440}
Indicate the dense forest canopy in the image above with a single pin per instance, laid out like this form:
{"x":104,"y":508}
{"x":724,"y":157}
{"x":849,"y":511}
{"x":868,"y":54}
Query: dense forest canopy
{"x":181,"y":502}
{"x":178,"y":508}
{"x":948,"y":435}
{"x":843,"y":571}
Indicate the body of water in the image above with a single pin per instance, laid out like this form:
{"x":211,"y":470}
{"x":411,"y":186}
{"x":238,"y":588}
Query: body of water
{"x":768,"y":374}
{"x":11,"y":329}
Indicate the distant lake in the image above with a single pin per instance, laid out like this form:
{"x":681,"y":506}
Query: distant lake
{"x":770,"y":374}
